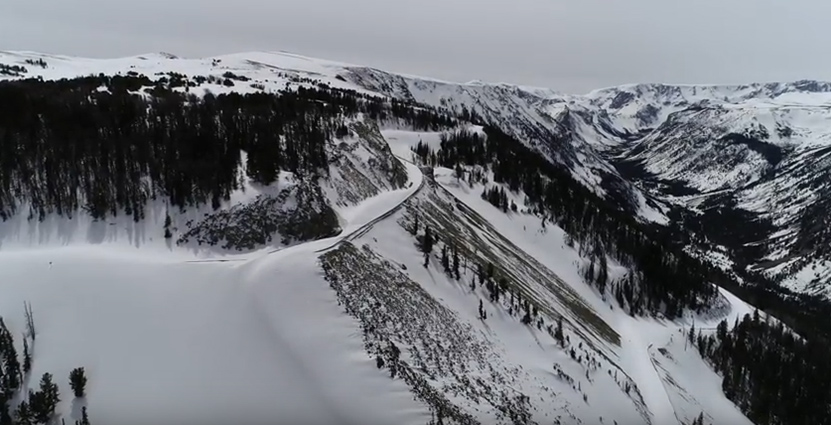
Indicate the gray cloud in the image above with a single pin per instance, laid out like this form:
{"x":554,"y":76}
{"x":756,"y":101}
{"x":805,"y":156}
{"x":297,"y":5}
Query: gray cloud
{"x":568,"y":45}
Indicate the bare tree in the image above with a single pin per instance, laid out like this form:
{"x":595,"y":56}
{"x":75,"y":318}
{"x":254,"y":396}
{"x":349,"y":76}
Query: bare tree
{"x":30,"y":319}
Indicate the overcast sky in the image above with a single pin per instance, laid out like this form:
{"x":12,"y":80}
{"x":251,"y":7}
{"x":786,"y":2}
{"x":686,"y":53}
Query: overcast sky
{"x":568,"y":45}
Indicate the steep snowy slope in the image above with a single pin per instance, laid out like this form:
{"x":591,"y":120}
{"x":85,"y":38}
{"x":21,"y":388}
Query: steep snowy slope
{"x":168,"y":339}
{"x":754,"y":158}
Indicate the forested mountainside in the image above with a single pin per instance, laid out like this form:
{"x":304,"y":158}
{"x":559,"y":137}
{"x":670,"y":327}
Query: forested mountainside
{"x":762,"y":362}
{"x":751,"y":157}
{"x":101,"y":144}
{"x":525,"y":277}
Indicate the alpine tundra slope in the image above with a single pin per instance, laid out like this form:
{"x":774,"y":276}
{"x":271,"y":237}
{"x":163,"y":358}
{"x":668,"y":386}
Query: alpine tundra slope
{"x":365,"y":328}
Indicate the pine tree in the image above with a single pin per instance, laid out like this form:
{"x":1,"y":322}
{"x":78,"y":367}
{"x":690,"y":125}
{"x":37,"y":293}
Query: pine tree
{"x":11,"y":372}
{"x":167,"y":222}
{"x":558,"y":333}
{"x":24,"y":414}
{"x":84,"y":416}
{"x":5,"y":414}
{"x":482,"y":313}
{"x":427,"y":241}
{"x":691,"y":334}
{"x":78,"y":381}
{"x":526,"y":319}
{"x":44,"y":401}
{"x":27,"y":357}
{"x":456,"y":263}
{"x":445,"y":259}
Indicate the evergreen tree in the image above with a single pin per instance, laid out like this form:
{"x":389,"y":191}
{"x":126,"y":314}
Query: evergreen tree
{"x":691,"y":334}
{"x":427,"y":241}
{"x":24,"y":414}
{"x":5,"y":414}
{"x":27,"y":357}
{"x":445,"y":260}
{"x":526,"y":319}
{"x":84,"y":416}
{"x":78,"y":381}
{"x":44,"y":401}
{"x":456,"y":263}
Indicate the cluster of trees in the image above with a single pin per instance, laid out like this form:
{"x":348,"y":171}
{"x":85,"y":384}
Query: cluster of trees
{"x":499,"y":291}
{"x":37,"y":406}
{"x":72,"y":144}
{"x":499,"y":198}
{"x":39,"y":62}
{"x":12,"y":70}
{"x":663,"y":278}
{"x":496,"y":286}
{"x":773,"y":375}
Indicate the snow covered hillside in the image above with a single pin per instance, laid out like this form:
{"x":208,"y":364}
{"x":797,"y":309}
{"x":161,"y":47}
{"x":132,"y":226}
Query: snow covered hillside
{"x":367,"y":287}
{"x":752,"y":157}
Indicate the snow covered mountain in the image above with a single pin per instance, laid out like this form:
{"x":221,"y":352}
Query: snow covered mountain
{"x":314,"y":299}
{"x":751,"y":158}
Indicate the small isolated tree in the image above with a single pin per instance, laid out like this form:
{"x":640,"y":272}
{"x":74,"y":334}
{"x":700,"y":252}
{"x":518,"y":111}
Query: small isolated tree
{"x":427,"y":242}
{"x":427,"y":245}
{"x":167,"y":233}
{"x":691,"y":335}
{"x":27,"y":357}
{"x":30,"y":320}
{"x":526,"y":319}
{"x":445,"y":260}
{"x":78,"y":381}
{"x":482,"y":314}
{"x":456,"y":263}
{"x":558,"y":333}
{"x":84,"y":417}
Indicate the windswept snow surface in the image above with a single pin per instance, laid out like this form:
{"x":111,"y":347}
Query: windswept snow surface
{"x":260,"y":340}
